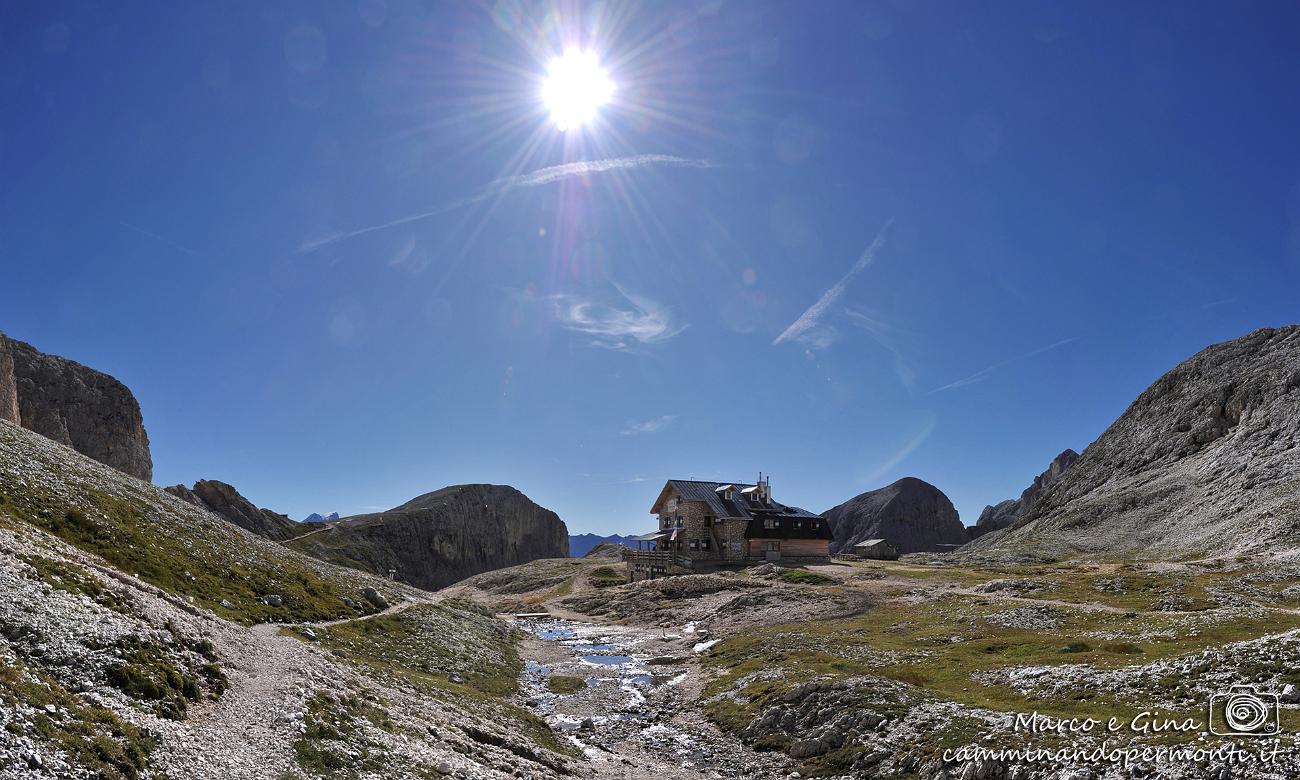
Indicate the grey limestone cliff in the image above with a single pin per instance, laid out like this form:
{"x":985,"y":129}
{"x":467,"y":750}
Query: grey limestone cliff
{"x":1004,"y":514}
{"x":913,"y":515}
{"x":1205,"y":461}
{"x":76,"y":406}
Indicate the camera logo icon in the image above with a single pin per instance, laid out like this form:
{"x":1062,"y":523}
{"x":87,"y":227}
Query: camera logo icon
{"x":1244,"y":711}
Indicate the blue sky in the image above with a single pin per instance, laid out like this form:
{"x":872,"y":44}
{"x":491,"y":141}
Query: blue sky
{"x":838,"y":243}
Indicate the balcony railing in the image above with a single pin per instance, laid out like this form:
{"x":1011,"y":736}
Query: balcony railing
{"x":656,"y":557}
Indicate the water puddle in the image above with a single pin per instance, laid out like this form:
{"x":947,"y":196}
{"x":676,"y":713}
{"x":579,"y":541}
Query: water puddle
{"x":617,"y":683}
{"x":606,"y":660}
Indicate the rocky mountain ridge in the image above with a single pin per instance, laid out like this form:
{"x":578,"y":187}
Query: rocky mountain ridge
{"x":1004,"y":514}
{"x":222,"y":499}
{"x":1206,"y":461}
{"x":581,"y":544}
{"x":440,"y":537}
{"x":912,"y":514}
{"x":80,"y":407}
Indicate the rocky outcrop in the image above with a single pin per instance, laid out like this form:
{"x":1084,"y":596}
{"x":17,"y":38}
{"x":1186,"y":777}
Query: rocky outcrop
{"x":222,"y":499}
{"x":605,"y":551}
{"x":444,"y":536}
{"x":1205,"y":461}
{"x":1004,"y":514}
{"x":913,"y":515}
{"x":79,"y":407}
{"x":581,"y":544}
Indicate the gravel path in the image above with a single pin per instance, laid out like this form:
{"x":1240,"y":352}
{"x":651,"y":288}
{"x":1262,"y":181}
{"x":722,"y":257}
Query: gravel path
{"x":255,"y":720}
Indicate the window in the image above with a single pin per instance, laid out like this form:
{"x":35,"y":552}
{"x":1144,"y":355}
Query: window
{"x":704,"y":544}
{"x":771,"y":522}
{"x":695,"y":544}
{"x":772,"y":546}
{"x":708,"y":521}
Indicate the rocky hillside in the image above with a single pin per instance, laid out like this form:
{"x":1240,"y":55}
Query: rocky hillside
{"x":222,"y":499}
{"x":77,"y":406}
{"x":142,"y":636}
{"x":1205,"y":461}
{"x":1004,"y":514}
{"x":913,"y":515}
{"x":444,"y":536}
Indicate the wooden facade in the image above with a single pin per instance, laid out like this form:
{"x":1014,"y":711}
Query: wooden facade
{"x":706,"y":525}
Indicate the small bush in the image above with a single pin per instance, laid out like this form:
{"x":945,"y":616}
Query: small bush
{"x":1123,"y":648}
{"x":606,"y":576}
{"x":1077,"y":647}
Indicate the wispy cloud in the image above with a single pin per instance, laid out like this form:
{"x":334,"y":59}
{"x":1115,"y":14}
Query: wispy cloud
{"x":635,"y":428}
{"x":882,"y":332}
{"x":616,"y":327}
{"x":912,"y":444}
{"x":985,"y":373}
{"x":537,"y":178}
{"x":807,"y":329}
{"x":163,"y":239}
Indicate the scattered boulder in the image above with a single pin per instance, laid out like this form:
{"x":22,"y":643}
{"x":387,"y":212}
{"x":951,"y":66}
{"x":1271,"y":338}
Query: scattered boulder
{"x":375,"y":598}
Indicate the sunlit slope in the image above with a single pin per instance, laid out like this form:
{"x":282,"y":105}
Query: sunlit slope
{"x":141,"y":530}
{"x":1206,"y":461}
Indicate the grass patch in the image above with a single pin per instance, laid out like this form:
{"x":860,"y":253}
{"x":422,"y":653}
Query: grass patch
{"x":333,"y":742}
{"x":564,"y":684}
{"x":941,"y":649}
{"x":606,"y":577}
{"x":424,"y":645}
{"x":145,"y":672}
{"x":805,"y":577}
{"x":428,"y":643}
{"x":92,"y":736}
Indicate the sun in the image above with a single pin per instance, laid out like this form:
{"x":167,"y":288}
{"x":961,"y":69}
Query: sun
{"x":575,"y":87}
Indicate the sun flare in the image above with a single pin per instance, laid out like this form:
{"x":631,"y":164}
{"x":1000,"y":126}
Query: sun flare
{"x":576,"y":86}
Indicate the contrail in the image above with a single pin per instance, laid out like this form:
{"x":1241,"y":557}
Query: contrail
{"x":537,"y":178}
{"x":156,"y":237}
{"x":810,"y":318}
{"x":985,"y":373}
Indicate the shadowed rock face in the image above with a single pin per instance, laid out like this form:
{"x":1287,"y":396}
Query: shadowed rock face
{"x":79,"y":407}
{"x":224,"y":500}
{"x":913,"y":515}
{"x":1004,"y":514}
{"x":441,"y":537}
{"x":1206,"y":460}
